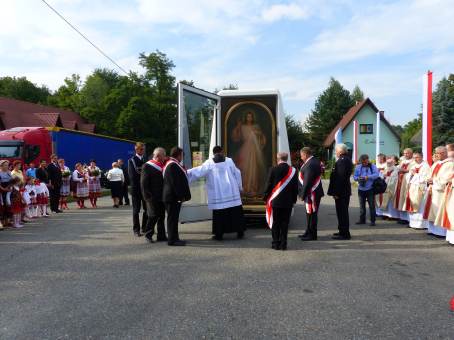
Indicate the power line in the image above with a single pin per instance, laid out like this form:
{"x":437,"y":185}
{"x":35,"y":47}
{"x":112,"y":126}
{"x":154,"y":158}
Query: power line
{"x":85,"y":37}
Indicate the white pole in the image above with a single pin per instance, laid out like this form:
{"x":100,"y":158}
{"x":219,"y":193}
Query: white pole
{"x":378,"y":133}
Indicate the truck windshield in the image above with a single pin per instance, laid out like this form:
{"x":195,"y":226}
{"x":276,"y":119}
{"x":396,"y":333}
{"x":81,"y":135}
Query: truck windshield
{"x":10,"y":151}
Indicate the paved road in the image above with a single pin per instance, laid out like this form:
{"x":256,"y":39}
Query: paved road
{"x":81,"y":275}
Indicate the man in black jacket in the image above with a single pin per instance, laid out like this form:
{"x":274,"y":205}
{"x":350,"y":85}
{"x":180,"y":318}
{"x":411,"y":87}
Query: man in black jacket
{"x":280,"y":196}
{"x":310,"y":191}
{"x":134,"y":170}
{"x":341,"y":190}
{"x":151,"y":183}
{"x":174,"y":193}
{"x":55,"y":183}
{"x":124,"y":168}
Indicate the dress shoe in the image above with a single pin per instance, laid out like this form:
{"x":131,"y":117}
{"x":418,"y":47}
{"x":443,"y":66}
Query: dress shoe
{"x":162,"y":239}
{"x":284,"y":247}
{"x":372,"y":224}
{"x":302,"y":235}
{"x":240,"y":235}
{"x":309,"y":238}
{"x":275,"y":246}
{"x":59,"y":211}
{"x":216,"y":238}
{"x":341,"y":237}
{"x":137,"y":234}
{"x":149,"y":237}
{"x":336,"y":234}
{"x":360,"y":222}
{"x":178,"y":243}
{"x":403,"y":222}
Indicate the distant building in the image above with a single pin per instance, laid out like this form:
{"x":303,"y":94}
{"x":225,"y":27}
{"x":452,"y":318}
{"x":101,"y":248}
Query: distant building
{"x":365,"y":113}
{"x":14,"y":113}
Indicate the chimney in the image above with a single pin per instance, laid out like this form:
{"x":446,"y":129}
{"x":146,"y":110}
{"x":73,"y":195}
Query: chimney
{"x":382,"y":113}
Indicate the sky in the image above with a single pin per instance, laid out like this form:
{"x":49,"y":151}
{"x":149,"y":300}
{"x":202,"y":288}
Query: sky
{"x":383,"y":46}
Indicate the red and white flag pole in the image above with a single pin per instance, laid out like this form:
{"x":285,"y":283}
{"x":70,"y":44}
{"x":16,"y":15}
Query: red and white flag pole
{"x":355,"y":142}
{"x":427,"y":118}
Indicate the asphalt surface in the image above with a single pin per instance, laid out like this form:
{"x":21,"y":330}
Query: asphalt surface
{"x":82,"y":275}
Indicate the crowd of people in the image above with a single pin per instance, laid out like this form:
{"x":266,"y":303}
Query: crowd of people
{"x":39,"y":191}
{"x":416,"y":194}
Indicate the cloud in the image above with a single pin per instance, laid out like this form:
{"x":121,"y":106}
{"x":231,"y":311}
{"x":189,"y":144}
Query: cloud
{"x":391,"y":29}
{"x":288,"y":11}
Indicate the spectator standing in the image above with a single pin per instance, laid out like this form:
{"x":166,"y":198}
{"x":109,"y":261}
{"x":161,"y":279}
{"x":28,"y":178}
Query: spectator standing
{"x":124,"y":168}
{"x":365,"y":174}
{"x":116,"y":179}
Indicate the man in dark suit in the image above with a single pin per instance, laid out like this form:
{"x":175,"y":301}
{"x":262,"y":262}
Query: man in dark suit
{"x":341,"y":190}
{"x":174,"y":193}
{"x":124,"y":168}
{"x":280,"y":196}
{"x":310,"y":191}
{"x":55,"y":183}
{"x":134,"y":171}
{"x":151,"y":183}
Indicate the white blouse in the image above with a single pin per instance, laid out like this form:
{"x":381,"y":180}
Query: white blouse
{"x":115,"y":175}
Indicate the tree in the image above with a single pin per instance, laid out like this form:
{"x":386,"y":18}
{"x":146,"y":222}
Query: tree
{"x":67,"y":95}
{"x":357,"y":94}
{"x":443,"y":112}
{"x":329,"y":108}
{"x":23,"y":89}
{"x":408,"y":132}
{"x":295,"y":132}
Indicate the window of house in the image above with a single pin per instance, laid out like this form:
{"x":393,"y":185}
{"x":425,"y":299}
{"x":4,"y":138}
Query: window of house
{"x":366,"y":129}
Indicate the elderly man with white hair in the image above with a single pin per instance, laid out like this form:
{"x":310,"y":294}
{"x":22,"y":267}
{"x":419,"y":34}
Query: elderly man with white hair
{"x":441,"y":175}
{"x":341,"y":190}
{"x":151,"y":184}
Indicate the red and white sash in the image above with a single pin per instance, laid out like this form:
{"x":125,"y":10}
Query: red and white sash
{"x":173,"y":160}
{"x":280,"y":186}
{"x":155,"y":164}
{"x":311,"y":206}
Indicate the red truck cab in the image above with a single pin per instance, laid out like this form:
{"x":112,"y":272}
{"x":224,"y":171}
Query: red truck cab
{"x":27,"y":144}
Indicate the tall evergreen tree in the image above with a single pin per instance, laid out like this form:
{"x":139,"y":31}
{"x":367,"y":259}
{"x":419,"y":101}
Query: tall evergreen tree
{"x":329,"y":108}
{"x":443,"y":111}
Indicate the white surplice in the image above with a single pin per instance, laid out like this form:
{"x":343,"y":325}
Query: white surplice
{"x":223,"y":183}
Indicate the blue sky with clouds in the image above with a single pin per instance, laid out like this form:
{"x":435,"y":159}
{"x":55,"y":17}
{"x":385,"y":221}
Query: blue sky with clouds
{"x":295,"y":46}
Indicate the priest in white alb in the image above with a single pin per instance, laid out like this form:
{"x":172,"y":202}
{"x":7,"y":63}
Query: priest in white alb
{"x":386,"y":200}
{"x":417,"y":187}
{"x":440,"y":177}
{"x":445,"y":215}
{"x":223,"y":186}
{"x":405,"y":164}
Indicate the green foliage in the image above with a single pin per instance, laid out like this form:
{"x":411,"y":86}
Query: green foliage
{"x":443,"y":112}
{"x":357,"y":94}
{"x":329,"y":108}
{"x":409,"y":131}
{"x":22,"y":89}
{"x":296,"y":136}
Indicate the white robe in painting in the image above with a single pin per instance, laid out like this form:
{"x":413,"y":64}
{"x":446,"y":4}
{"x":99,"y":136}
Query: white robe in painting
{"x":223,"y":183}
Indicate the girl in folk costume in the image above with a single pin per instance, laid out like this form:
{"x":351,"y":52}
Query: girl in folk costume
{"x":30,"y":189}
{"x":42,"y":198}
{"x":65,"y":189}
{"x":17,"y":202}
{"x":81,"y":179}
{"x":26,"y":214}
{"x":5,"y":193}
{"x":381,"y":167}
{"x":386,"y":200}
{"x":417,"y":186}
{"x":441,"y":175}
{"x":94,"y":183}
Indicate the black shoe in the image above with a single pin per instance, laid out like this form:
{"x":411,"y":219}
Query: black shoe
{"x":240,"y":235}
{"x":402,"y":222}
{"x":121,"y":203}
{"x":309,"y":238}
{"x":127,"y":203}
{"x":372,"y":224}
{"x":162,"y":239}
{"x":178,"y":243}
{"x":303,"y":235}
{"x":341,"y":237}
{"x":283,"y":247}
{"x":360,"y":222}
{"x":216,"y":238}
{"x":149,"y":238}
{"x":336,"y":234}
{"x":137,"y":233}
{"x":275,"y":246}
